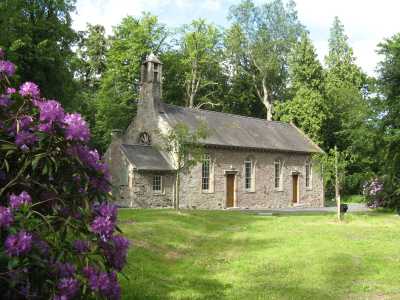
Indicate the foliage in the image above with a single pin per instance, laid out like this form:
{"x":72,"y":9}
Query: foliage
{"x":200,"y":47}
{"x":327,"y":164}
{"x":58,"y":227}
{"x":38,"y":37}
{"x":308,"y":108}
{"x":259,"y":42}
{"x":184,"y":145}
{"x":373,"y":192}
{"x":389,"y":76}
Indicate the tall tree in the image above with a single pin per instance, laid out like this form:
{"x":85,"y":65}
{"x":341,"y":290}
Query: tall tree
{"x":201,"y":47}
{"x":38,"y":37}
{"x":389,"y":102}
{"x":132,"y":40}
{"x":258,"y":43}
{"x":90,"y":67}
{"x":307,"y":109}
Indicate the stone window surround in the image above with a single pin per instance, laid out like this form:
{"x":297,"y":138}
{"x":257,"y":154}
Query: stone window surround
{"x":157,"y":191}
{"x":252,"y":175}
{"x":210,"y":178}
{"x":281,"y":164}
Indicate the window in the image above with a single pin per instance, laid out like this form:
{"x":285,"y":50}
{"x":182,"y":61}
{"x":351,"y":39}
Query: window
{"x":308,"y":174}
{"x":156,"y":72}
{"x":157,"y":183}
{"x":248,"y":170}
{"x":278,"y":174}
{"x":205,"y":173}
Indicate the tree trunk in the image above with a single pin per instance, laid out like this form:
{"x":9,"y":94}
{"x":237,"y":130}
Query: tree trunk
{"x":337,"y":187}
{"x":267,"y":99}
{"x":177,"y":188}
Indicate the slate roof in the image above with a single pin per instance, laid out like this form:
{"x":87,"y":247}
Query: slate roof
{"x":145,"y":157}
{"x":228,"y":130}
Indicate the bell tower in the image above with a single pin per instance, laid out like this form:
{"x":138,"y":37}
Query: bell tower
{"x":151,"y":84}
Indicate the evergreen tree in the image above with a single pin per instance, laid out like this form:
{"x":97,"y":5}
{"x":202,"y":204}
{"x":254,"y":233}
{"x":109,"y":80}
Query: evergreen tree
{"x":308,"y":108}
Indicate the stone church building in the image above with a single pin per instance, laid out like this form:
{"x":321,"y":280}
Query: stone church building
{"x":248,"y":162}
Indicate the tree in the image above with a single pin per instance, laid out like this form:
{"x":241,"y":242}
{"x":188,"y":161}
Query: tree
{"x":90,"y":67}
{"x":186,"y":149}
{"x":201,"y":48}
{"x":258,"y":43}
{"x":132,"y":40}
{"x":308,"y":108}
{"x":38,"y":37}
{"x":333,"y":166}
{"x":389,"y":104}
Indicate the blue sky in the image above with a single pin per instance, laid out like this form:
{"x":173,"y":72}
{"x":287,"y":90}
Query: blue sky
{"x":367,"y":22}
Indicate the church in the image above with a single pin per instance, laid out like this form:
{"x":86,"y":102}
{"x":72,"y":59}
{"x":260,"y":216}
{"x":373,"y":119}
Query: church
{"x":248,"y":163}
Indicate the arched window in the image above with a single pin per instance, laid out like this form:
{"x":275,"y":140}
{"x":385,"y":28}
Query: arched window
{"x":278,"y":173}
{"x":144,"y":138}
{"x":308,"y":174}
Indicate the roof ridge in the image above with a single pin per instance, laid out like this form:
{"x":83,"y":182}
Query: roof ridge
{"x":225,"y":113}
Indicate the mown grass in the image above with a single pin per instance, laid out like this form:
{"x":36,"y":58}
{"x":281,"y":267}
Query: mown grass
{"x":234,"y":255}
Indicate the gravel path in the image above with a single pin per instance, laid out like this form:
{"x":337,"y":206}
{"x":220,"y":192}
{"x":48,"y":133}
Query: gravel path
{"x":356,"y":207}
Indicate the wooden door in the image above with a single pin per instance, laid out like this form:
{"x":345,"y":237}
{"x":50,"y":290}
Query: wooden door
{"x":230,"y":184}
{"x":295,"y":188}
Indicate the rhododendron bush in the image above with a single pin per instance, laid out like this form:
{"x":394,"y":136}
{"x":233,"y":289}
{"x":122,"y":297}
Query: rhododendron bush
{"x":58,"y":231}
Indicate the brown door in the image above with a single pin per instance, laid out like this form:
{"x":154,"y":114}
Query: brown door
{"x":295,"y":188}
{"x":230,"y":183}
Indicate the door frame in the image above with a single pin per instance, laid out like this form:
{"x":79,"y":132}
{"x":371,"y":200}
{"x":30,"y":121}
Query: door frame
{"x":234,"y":174}
{"x":297,"y":181}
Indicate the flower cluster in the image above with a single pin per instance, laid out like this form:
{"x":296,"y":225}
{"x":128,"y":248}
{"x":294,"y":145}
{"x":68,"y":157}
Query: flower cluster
{"x":372,"y":191}
{"x":22,"y":199}
{"x":57,"y":226}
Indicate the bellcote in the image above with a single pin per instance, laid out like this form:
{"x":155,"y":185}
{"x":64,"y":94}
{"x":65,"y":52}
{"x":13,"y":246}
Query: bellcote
{"x":151,"y":70}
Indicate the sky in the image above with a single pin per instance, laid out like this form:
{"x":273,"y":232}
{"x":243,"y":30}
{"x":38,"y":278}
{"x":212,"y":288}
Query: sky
{"x":366,"y":22}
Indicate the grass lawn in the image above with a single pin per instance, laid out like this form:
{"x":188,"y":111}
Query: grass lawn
{"x":234,"y":255}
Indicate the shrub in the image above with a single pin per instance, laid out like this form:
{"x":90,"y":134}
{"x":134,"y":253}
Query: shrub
{"x":374,"y":192}
{"x":58,"y":232}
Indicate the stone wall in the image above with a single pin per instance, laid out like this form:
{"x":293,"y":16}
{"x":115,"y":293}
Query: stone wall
{"x":139,"y":193}
{"x":263,"y":193}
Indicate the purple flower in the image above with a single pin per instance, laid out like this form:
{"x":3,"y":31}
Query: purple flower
{"x":50,"y":111}
{"x":105,"y":209}
{"x":60,"y":297}
{"x":46,"y":127}
{"x":22,"y":199}
{"x":76,"y":128}
{"x":116,"y":251}
{"x":10,"y":91}
{"x":103,"y":226}
{"x":29,"y":89}
{"x":7,"y":67}
{"x":4,"y":101}
{"x":6,"y":217}
{"x":68,"y":287}
{"x":18,"y":244}
{"x":81,"y":246}
{"x":104,"y":283}
{"x":25,"y":138}
{"x":65,"y":269}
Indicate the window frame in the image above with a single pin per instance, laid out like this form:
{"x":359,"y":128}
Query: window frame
{"x":154,"y":184}
{"x":248,"y":188}
{"x":206,"y":178}
{"x":278,"y":179}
